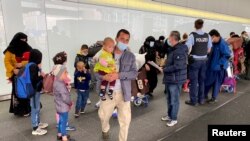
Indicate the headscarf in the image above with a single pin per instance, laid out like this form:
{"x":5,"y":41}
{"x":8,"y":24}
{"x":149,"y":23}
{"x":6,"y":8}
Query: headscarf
{"x":17,"y":46}
{"x":148,"y":40}
{"x":151,"y":52}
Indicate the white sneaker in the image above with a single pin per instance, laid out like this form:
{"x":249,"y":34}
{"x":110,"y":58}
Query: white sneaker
{"x":97,"y":105}
{"x":88,"y":101}
{"x":165,"y":118}
{"x":43,"y":125}
{"x":39,"y":132}
{"x":172,"y":123}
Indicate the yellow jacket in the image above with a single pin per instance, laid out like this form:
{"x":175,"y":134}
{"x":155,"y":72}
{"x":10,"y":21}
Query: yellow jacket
{"x":108,"y":57}
{"x":10,"y":63}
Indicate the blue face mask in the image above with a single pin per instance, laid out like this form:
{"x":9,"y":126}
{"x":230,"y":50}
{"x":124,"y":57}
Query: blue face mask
{"x":122,"y":46}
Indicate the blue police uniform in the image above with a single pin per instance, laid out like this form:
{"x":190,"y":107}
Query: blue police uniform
{"x":199,"y":42}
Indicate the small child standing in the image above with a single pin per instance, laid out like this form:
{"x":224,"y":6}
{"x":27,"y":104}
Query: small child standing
{"x":105,"y":65}
{"x":81,"y":81}
{"x":83,"y":57}
{"x":36,"y":77}
{"x":61,"y":90}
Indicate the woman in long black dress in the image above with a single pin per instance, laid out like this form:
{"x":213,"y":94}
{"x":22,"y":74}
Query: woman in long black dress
{"x":149,"y":48}
{"x":13,"y":62}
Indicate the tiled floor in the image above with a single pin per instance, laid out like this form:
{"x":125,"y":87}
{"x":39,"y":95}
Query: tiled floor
{"x":145,"y":126}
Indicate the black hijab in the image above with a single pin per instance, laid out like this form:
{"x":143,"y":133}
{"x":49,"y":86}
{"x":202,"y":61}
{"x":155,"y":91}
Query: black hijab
{"x":151,"y":52}
{"x":17,"y":46}
{"x":35,"y":56}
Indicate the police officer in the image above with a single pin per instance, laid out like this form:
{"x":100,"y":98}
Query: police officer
{"x":199,"y":44}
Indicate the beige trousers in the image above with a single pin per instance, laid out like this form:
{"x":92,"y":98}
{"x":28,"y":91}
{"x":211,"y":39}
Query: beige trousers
{"x":124,"y":114}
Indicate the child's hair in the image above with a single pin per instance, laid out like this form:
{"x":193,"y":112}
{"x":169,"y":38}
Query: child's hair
{"x":84,"y":46}
{"x":60,"y":58}
{"x":80,"y":65}
{"x":108,"y":39}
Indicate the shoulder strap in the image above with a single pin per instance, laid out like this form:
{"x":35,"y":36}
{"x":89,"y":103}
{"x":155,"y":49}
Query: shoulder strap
{"x":194,"y":33}
{"x":206,"y":34}
{"x":27,"y":72}
{"x":61,"y":71}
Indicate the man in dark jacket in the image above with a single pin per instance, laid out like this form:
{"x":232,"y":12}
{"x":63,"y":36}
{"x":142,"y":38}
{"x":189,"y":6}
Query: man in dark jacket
{"x":175,"y":74}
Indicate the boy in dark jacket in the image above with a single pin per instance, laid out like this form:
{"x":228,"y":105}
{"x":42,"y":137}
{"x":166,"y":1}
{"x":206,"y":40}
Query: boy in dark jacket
{"x":83,"y":56}
{"x":175,"y":74}
{"x":36,"y":77}
{"x":81,"y":80}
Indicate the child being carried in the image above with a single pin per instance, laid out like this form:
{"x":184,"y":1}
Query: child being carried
{"x":106,"y":65}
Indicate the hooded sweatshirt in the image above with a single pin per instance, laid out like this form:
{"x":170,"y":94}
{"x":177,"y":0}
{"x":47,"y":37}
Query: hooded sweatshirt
{"x":61,"y":93}
{"x":35,"y":77}
{"x":83,"y":58}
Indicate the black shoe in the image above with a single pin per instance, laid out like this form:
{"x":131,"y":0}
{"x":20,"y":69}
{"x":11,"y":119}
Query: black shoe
{"x":102,"y":94}
{"x":150,"y":95}
{"x":212,"y":101}
{"x":82,"y":111}
{"x":60,"y":137}
{"x":77,"y":114}
{"x":103,"y":98}
{"x":188,"y":102}
{"x":105,"y":135}
{"x":110,"y":94}
{"x":207,"y":99}
{"x":202,"y":103}
{"x":246,"y":78}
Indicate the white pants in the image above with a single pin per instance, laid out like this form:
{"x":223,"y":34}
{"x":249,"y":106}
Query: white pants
{"x":124,"y":114}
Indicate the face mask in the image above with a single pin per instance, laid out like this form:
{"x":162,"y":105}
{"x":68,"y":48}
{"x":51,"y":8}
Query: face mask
{"x":85,"y":54}
{"x":151,"y":44}
{"x":169,"y":43}
{"x":122,"y":46}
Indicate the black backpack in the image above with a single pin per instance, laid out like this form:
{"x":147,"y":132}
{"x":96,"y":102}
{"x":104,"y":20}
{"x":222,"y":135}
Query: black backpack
{"x":93,"y":49}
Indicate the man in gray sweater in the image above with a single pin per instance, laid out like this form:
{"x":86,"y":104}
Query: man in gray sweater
{"x":125,"y":63}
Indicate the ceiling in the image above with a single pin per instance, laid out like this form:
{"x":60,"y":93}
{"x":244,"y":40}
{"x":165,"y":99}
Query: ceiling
{"x":240,"y":8}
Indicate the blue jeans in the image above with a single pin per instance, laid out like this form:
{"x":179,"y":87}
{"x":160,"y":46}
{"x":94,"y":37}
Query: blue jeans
{"x":197,"y":75}
{"x":62,"y":125}
{"x":172,"y":95}
{"x":35,"y":109}
{"x":82,"y":98}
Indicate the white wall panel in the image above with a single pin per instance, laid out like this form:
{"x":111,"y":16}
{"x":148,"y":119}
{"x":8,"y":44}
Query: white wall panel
{"x":230,"y":7}
{"x":26,"y":16}
{"x":4,"y":86}
{"x":55,"y":25}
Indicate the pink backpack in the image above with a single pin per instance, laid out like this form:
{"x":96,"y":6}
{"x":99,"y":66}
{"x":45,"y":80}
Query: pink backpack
{"x":48,"y":81}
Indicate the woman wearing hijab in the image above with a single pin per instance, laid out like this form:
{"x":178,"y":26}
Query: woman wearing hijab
{"x":13,"y":61}
{"x":149,"y":48}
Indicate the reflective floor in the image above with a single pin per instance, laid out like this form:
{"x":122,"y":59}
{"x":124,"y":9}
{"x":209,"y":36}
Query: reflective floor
{"x":146,"y":124}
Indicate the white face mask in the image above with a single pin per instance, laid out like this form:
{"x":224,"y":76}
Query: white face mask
{"x":85,"y":54}
{"x":169,"y":43}
{"x":151,"y":44}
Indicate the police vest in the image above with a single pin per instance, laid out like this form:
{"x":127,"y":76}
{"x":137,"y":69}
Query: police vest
{"x":200,"y":44}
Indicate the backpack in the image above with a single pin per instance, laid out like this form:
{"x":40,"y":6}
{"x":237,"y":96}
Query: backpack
{"x":48,"y":81}
{"x":94,"y":49}
{"x":24,"y":88}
